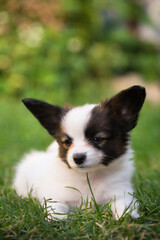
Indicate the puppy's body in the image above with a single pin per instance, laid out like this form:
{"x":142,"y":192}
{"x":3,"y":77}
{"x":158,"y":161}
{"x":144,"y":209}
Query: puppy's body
{"x":91,"y":139}
{"x":49,"y":177}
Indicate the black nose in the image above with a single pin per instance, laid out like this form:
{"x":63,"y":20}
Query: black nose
{"x":79,"y":158}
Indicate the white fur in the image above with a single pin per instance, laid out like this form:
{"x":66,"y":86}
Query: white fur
{"x":76,"y":119}
{"x":50,"y":178}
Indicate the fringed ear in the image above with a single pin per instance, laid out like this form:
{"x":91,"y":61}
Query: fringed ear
{"x":103,"y":103}
{"x":48,"y":115}
{"x":67,"y":106}
{"x":125,"y":106}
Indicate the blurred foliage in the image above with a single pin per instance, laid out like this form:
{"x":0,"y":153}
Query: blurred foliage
{"x":70,"y":48}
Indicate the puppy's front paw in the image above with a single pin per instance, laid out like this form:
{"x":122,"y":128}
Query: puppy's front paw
{"x":120,"y":208}
{"x":57,"y":211}
{"x":134,"y":214}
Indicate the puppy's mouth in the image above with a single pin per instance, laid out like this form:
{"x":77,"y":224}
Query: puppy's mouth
{"x":84,"y":161}
{"x":84,"y":167}
{"x":80,"y":167}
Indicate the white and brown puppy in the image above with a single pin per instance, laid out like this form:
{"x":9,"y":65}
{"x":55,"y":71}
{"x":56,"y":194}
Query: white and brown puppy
{"x":91,"y":139}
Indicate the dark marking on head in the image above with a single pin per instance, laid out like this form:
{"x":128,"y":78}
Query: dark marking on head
{"x":114,"y":144}
{"x":64,"y":142}
{"x":115,"y":118}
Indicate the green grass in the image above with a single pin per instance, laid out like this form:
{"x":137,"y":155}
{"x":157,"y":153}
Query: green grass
{"x":26,"y":218}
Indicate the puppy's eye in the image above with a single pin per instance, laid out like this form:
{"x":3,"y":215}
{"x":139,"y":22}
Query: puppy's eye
{"x":97,"y":140}
{"x":67,"y":142}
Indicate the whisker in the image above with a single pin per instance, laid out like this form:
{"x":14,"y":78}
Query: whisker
{"x":108,"y":156}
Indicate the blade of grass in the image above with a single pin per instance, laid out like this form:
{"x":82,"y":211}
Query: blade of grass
{"x":93,"y":197}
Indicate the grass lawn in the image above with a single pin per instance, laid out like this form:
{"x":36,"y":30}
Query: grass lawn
{"x":25,"y":218}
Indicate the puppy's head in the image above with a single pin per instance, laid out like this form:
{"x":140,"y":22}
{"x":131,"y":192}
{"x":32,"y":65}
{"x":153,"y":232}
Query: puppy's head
{"x":91,"y":135}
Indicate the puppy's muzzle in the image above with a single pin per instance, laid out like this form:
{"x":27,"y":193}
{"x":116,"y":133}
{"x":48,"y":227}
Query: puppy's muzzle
{"x":79,"y":158}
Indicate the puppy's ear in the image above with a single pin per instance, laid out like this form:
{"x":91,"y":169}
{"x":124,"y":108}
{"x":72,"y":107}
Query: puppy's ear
{"x":48,"y":115}
{"x":125,"y":106}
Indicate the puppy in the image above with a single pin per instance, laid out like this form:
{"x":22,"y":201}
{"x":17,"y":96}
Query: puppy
{"x":92,"y":139}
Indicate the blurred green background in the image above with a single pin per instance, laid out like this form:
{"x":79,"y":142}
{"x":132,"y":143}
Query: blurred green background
{"x":71,"y":50}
